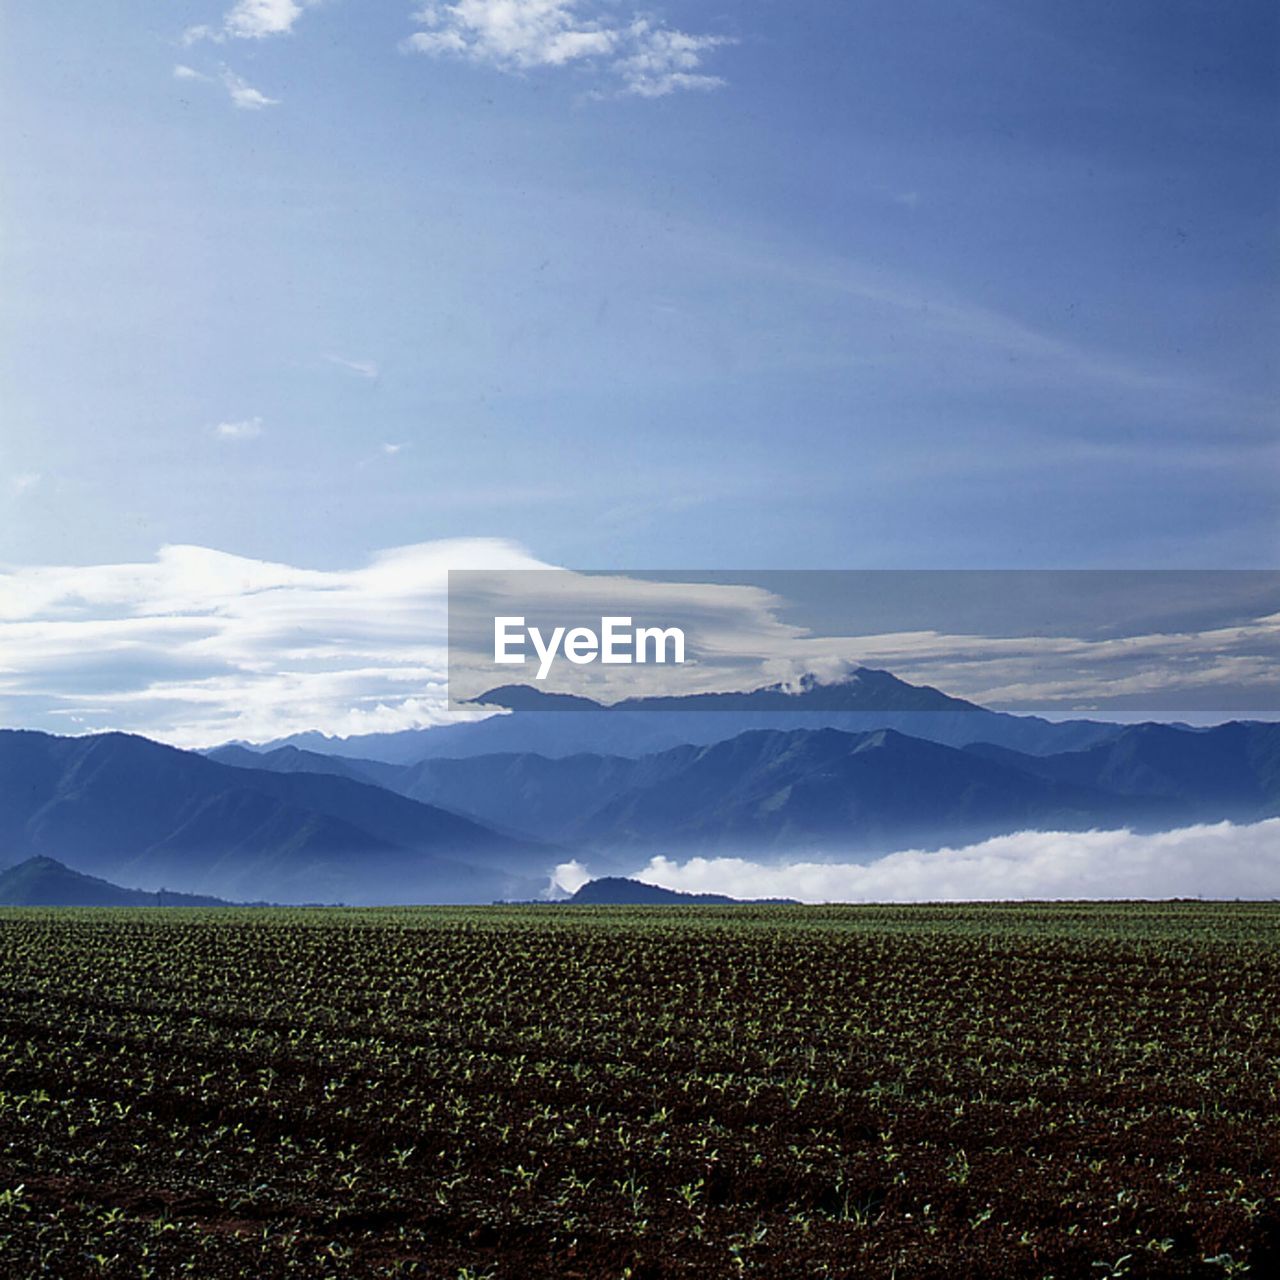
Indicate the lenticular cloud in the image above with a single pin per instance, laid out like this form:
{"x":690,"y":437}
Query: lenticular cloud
{"x":1221,"y":860}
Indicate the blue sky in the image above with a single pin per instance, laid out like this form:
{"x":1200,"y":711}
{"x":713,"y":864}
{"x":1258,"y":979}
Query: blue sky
{"x":762,"y":284}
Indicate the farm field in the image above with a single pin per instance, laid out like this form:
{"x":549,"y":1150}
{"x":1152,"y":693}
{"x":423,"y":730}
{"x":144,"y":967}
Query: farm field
{"x":1000,"y":1091}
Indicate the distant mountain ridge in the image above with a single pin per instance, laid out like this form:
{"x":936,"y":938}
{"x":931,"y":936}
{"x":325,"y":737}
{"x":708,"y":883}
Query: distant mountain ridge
{"x":827,"y":791}
{"x":556,"y":725}
{"x":821,"y":791}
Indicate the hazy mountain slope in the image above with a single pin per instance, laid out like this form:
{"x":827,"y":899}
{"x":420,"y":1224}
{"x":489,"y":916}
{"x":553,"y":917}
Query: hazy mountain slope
{"x":833,"y":792}
{"x":772,"y":790}
{"x":291,"y":759}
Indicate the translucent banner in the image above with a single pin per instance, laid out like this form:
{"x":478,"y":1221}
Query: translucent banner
{"x":1123,"y":644}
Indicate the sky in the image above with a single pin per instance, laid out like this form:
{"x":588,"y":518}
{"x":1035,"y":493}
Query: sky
{"x":574,"y":282}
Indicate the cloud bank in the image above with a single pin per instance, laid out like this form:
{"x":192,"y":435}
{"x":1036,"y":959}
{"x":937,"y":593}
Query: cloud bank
{"x":644,"y":57}
{"x":197,"y":647}
{"x":1221,"y":860}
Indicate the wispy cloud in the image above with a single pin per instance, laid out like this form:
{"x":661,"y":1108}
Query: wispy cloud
{"x":391,"y":449}
{"x":1219,"y":860}
{"x":242,"y":94}
{"x":645,"y":58}
{"x":244,"y":429}
{"x":23,"y":482}
{"x":361,"y":368}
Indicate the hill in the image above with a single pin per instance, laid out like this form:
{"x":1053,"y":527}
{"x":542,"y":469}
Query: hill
{"x":618,"y":891}
{"x":45,"y":882}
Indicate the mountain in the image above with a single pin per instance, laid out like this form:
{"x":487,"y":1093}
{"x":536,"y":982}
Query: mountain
{"x":618,"y":891}
{"x":767,"y":792}
{"x":132,"y":810}
{"x":290,"y":759}
{"x":1229,"y":771}
{"x":830,"y":791}
{"x":45,"y":882}
{"x":529,"y":720}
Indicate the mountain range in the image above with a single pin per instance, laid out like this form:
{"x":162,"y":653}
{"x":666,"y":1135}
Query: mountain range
{"x":526,"y":719}
{"x":292,"y":825}
{"x":826,"y":792}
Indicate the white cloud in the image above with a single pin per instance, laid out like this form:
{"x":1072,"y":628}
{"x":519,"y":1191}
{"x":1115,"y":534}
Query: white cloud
{"x":197,"y":646}
{"x":568,"y":878}
{"x":24,"y":481}
{"x":251,"y":20}
{"x":392,"y":449}
{"x":660,"y":60}
{"x":361,"y":368}
{"x":650,"y":60}
{"x":244,"y":429}
{"x":1220,"y":860}
{"x":193,"y":35}
{"x":243,"y":94}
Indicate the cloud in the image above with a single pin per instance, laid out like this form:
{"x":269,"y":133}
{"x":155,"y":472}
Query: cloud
{"x":661,"y":61}
{"x":243,"y":94}
{"x":392,"y":449}
{"x":24,"y":481}
{"x":647,"y":59}
{"x":1221,"y":860}
{"x":251,"y":20}
{"x":568,"y":878}
{"x":197,"y":646}
{"x":254,"y":19}
{"x":361,"y":368}
{"x":244,"y":429}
